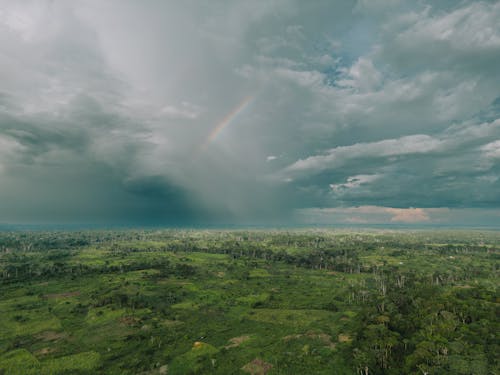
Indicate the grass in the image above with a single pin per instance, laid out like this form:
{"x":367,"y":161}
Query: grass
{"x":22,"y":362}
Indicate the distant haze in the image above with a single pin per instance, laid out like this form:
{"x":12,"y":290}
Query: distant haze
{"x":277,"y":112}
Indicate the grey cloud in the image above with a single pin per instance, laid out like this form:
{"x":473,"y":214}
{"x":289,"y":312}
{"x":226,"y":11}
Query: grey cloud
{"x":113,"y":102}
{"x":337,"y":157}
{"x":410,"y":171}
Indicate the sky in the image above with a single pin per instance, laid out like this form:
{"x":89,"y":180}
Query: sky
{"x":270,"y":112}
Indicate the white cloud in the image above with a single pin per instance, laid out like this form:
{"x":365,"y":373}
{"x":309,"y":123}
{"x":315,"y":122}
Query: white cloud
{"x":303,"y":78}
{"x":362,"y":75}
{"x":471,"y":27}
{"x":488,"y":178}
{"x":336,"y":157}
{"x":492,"y":149}
{"x":408,"y":215}
{"x":23,"y":18}
{"x":354,"y":182}
{"x":185,"y":111}
{"x":468,"y":131}
{"x":371,"y":215}
{"x":387,"y":151}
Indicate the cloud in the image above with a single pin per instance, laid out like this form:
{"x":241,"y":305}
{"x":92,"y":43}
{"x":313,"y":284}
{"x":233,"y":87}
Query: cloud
{"x":185,"y":110}
{"x":362,"y":75}
{"x":372,"y":215}
{"x":408,"y":215}
{"x":9,"y":149}
{"x":375,"y":6}
{"x":336,"y":157}
{"x":354,"y":182}
{"x":491,"y":150}
{"x":376,"y":215}
{"x":104,"y":107}
{"x":471,"y":27}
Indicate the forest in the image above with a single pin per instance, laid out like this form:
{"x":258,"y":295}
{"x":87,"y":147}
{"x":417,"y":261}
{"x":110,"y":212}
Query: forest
{"x":315,"y":301}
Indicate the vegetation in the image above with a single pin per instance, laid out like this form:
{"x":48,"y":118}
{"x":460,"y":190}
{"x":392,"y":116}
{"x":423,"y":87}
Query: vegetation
{"x":259,"y":302}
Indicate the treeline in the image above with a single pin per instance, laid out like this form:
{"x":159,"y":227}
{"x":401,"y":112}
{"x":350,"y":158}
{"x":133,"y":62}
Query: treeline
{"x":311,"y":239}
{"x":34,"y":268}
{"x":338,"y":260}
{"x":21,"y":266}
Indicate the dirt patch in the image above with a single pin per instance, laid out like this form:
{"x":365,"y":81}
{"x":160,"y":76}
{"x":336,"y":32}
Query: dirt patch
{"x":44,"y":351}
{"x":323,"y":337}
{"x":198,"y":344}
{"x":257,"y":367}
{"x":344,"y":338}
{"x":63,"y":295}
{"x":51,"y":336}
{"x":237,"y":341}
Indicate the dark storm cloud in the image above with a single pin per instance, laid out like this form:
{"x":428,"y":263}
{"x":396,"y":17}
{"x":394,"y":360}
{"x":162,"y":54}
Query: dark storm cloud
{"x":107,"y":111}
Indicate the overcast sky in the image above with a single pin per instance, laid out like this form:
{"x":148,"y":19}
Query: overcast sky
{"x":263,"y":111}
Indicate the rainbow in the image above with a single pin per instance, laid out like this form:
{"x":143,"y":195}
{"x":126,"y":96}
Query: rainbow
{"x":226,"y":121}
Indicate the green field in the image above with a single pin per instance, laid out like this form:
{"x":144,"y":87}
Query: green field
{"x":239,"y":302}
